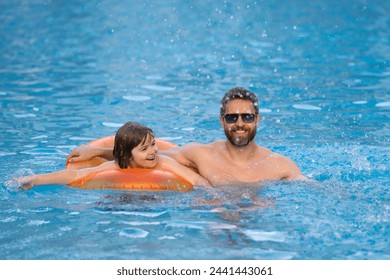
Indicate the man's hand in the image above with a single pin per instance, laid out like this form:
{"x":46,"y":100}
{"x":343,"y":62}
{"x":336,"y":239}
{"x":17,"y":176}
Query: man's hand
{"x":82,"y":153}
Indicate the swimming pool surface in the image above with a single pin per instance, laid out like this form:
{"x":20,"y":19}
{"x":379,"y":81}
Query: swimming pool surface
{"x":72,"y":71}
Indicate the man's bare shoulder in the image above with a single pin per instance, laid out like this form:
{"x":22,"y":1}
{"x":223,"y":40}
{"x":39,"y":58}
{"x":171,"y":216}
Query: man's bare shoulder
{"x":286,"y":166}
{"x":191,"y":154}
{"x":196,"y":146}
{"x":276,"y":157}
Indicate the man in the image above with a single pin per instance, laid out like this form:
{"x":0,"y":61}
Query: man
{"x":238,"y":160}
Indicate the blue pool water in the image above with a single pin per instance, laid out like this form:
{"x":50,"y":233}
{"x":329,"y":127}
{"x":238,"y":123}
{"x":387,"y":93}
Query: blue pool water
{"x":72,"y":71}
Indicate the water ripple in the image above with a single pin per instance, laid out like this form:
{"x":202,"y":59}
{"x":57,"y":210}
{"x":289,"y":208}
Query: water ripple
{"x":383,"y":104}
{"x":258,"y":235}
{"x":134,"y":233}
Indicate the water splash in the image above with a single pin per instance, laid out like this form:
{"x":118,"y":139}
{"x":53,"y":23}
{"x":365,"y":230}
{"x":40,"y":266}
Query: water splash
{"x":134,"y":233}
{"x":12,"y":185}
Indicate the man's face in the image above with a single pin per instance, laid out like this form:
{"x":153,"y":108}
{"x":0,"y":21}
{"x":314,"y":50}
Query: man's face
{"x":240,"y":130}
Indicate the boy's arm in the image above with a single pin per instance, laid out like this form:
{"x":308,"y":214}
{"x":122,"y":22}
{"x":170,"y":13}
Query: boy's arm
{"x":62,"y":177}
{"x":55,"y":178}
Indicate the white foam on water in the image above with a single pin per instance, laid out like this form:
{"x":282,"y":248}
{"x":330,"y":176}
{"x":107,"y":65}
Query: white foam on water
{"x":37,"y":222}
{"x":103,"y":223}
{"x":383,"y":104}
{"x":265,"y":110}
{"x":8,"y":220}
{"x":274,"y":254}
{"x":137,"y":223}
{"x":39,"y":151}
{"x":187,"y":224}
{"x":39,"y":137}
{"x":78,"y":138}
{"x":306,"y":107}
{"x":23,"y":116}
{"x":143,"y":214}
{"x":153,"y":77}
{"x":133,"y":233}
{"x":158,"y":88}
{"x":257,"y":235}
{"x":166,"y":237}
{"x":42,"y":210}
{"x":222,"y":226}
{"x":3,"y":154}
{"x":136,"y":97}
{"x":29,"y":146}
{"x":66,"y":147}
{"x":200,"y":225}
{"x":188,"y":129}
{"x":110,"y":124}
{"x":171,"y":138}
{"x":360,"y":102}
{"x":65,"y":228}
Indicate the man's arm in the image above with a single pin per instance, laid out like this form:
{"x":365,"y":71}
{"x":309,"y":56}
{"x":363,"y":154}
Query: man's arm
{"x":290,"y":171}
{"x":186,"y":173}
{"x":185,"y":155}
{"x":84,"y":152}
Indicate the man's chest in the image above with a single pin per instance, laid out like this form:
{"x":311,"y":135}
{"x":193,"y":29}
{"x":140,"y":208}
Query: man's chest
{"x":220,"y":172}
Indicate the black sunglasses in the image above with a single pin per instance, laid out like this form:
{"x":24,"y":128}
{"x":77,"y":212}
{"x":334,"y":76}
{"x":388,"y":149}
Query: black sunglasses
{"x":246,"y":118}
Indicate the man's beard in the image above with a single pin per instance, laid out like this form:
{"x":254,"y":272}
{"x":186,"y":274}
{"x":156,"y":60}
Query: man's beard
{"x":240,"y":141}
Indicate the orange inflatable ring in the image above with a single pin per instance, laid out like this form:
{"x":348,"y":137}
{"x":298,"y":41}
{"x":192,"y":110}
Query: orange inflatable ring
{"x":135,"y":179}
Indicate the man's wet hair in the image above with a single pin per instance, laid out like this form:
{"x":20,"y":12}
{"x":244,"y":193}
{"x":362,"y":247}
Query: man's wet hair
{"x":238,"y":93}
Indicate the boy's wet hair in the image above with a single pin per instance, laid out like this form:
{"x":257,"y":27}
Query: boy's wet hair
{"x":129,"y":136}
{"x":238,"y":93}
